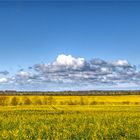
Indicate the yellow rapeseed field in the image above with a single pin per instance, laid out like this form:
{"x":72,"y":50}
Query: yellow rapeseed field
{"x":70,"y":117}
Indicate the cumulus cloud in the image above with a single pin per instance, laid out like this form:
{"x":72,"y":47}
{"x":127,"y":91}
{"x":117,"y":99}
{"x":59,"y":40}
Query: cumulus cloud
{"x":3,"y":80}
{"x":68,"y":72}
{"x":97,"y":71}
{"x":24,"y":74}
{"x":69,"y":61}
{"x":120,"y":63}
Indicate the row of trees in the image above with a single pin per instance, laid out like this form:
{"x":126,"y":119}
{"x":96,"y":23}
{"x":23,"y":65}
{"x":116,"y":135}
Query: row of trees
{"x":25,"y":101}
{"x":50,"y":100}
{"x":72,"y":93}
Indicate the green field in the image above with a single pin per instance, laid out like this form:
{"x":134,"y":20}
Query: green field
{"x":105,"y":120}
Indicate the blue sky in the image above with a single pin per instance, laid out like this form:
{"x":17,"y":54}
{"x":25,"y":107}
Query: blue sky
{"x":38,"y":32}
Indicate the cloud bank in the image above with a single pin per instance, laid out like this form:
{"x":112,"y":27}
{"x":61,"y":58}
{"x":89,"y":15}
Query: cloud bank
{"x":72,"y":73}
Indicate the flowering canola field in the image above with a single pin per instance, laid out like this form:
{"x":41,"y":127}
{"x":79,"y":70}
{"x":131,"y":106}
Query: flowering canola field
{"x":70,"y":118}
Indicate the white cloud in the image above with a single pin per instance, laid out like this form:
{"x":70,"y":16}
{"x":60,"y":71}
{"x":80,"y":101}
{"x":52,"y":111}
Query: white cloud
{"x":72,"y":72}
{"x":24,"y":74}
{"x":78,"y":70}
{"x":3,"y":80}
{"x":121,"y":63}
{"x":69,"y":61}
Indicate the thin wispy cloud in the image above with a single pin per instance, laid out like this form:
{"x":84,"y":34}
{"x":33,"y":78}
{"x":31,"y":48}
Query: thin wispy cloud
{"x":68,"y":72}
{"x":4,"y":72}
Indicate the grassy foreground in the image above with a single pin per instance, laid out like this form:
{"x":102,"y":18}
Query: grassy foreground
{"x":95,"y":118}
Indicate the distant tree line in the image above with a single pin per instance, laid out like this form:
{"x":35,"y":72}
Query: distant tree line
{"x":54,"y":100}
{"x":72,"y":93}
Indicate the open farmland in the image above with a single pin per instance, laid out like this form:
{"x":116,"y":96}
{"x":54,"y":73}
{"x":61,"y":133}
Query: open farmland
{"x":70,"y":117}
